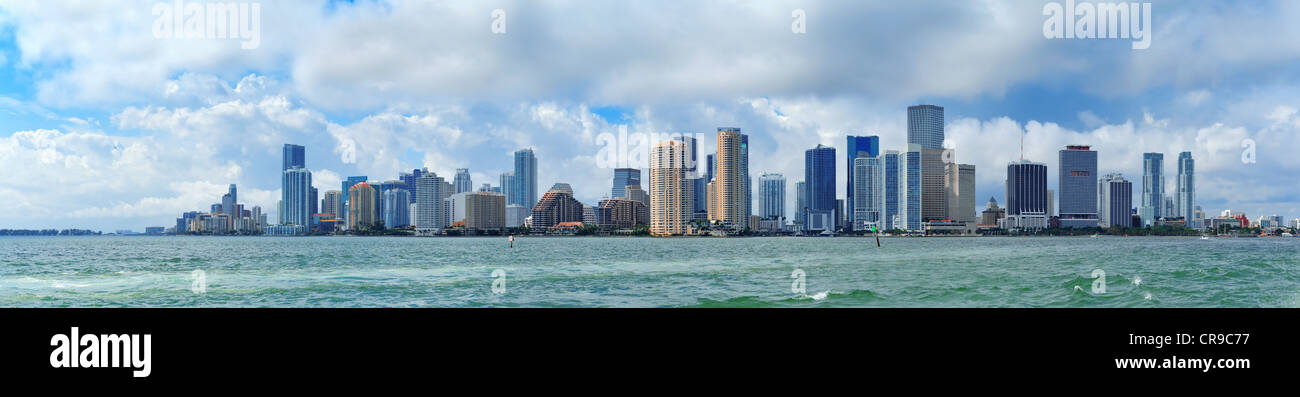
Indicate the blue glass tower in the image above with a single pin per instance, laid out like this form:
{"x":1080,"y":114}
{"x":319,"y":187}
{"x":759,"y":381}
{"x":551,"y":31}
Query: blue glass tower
{"x":294,"y":156}
{"x":819,"y":179}
{"x":858,"y":146}
{"x":525,"y":178}
{"x":624,"y":177}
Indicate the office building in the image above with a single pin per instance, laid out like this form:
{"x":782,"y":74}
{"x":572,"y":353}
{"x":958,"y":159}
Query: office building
{"x":622,"y":178}
{"x":1078,"y":185}
{"x":1115,"y":201}
{"x":819,"y":183}
{"x":1027,"y":202}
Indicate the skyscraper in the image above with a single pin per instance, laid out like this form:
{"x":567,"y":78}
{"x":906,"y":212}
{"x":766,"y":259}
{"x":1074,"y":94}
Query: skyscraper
{"x":910,"y":188}
{"x":729,"y":195}
{"x":747,"y":184}
{"x":771,"y":196}
{"x":890,"y":179}
{"x":959,"y":184}
{"x":819,"y":179}
{"x":463,"y":182}
{"x":800,"y":201}
{"x":525,"y":178}
{"x":429,"y":204}
{"x":1153,"y":182}
{"x":925,"y":126}
{"x":1186,"y":204}
{"x":1026,"y":195}
{"x":1078,"y":186}
{"x":934,"y":198}
{"x":858,"y":146}
{"x":229,"y":200}
{"x":330,"y":203}
{"x":397,"y":208}
{"x":623,"y":177}
{"x":1115,"y":199}
{"x":508,"y":188}
{"x":361,"y":206}
{"x":294,"y":156}
{"x":411,"y":179}
{"x":868,"y":192}
{"x":295,"y":195}
{"x":347,"y":197}
{"x":670,"y":201}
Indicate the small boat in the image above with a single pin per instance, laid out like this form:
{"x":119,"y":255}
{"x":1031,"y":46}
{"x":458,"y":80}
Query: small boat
{"x":1096,"y":235}
{"x":1204,"y":237}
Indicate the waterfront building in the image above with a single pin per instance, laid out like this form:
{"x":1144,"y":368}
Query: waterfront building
{"x":555,"y":207}
{"x":1153,"y":182}
{"x":1115,"y":201}
{"x":771,"y":196}
{"x":1027,"y":199}
{"x":525,"y":179}
{"x":1078,"y":184}
{"x":361,"y":206}
{"x":670,"y":200}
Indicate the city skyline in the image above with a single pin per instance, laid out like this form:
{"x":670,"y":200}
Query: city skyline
{"x":112,"y":151}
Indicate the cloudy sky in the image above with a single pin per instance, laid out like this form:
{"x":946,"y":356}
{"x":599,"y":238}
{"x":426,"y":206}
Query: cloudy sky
{"x":104,"y":125}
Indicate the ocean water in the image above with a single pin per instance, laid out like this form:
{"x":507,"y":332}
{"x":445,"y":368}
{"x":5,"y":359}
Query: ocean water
{"x":112,"y":271}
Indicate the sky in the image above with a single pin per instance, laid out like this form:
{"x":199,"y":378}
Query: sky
{"x":106,"y":123}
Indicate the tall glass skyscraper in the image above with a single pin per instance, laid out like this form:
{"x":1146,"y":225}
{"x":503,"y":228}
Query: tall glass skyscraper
{"x":410,"y":179}
{"x":295,"y":197}
{"x":909,"y":188}
{"x":525,"y":178}
{"x":229,"y":200}
{"x":1078,"y":186}
{"x":858,"y":146}
{"x":1186,"y":204}
{"x":891,"y":191}
{"x":925,"y":126}
{"x":463,"y":182}
{"x":1153,"y":182}
{"x":624,"y":177}
{"x":771,"y":196}
{"x":819,"y":178}
{"x":294,"y":156}
{"x":397,"y":208}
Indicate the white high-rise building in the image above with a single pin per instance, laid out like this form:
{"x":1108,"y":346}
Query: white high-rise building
{"x":429,"y":204}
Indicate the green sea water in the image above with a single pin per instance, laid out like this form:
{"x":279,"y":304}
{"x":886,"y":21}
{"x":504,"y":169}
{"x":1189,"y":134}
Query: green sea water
{"x":112,"y":271}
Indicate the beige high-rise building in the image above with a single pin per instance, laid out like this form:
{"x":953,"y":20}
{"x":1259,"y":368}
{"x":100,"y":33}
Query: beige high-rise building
{"x":959,"y":184}
{"x":361,"y":206}
{"x":934,"y":198}
{"x":729,"y":185}
{"x":670,"y":200}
